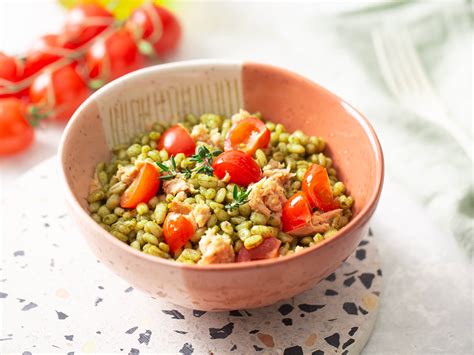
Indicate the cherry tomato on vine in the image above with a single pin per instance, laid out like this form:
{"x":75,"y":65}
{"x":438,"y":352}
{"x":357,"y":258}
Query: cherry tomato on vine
{"x":157,"y":26}
{"x":143,"y":188}
{"x":113,"y":56}
{"x":242,"y":169}
{"x":267,"y":250}
{"x":176,"y":139}
{"x":83,"y":23}
{"x":16,"y":133}
{"x":11,"y":72}
{"x":177,"y":230}
{"x":318,"y":189}
{"x":45,"y":50}
{"x":58,"y":93}
{"x":296,"y":212}
{"x":247,"y":135}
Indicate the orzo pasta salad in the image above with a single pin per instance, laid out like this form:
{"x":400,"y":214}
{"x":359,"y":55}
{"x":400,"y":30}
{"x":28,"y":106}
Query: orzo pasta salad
{"x":213,"y":189}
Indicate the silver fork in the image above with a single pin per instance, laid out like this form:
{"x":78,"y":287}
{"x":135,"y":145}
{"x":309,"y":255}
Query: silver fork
{"x":408,"y":82}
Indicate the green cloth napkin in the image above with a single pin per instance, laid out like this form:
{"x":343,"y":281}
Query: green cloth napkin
{"x":423,"y":158}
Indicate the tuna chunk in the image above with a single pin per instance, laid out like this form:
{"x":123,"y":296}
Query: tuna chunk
{"x":320,"y":223}
{"x":215,"y":249}
{"x":201,"y":214}
{"x":242,"y":114}
{"x":127,"y":173}
{"x":267,"y":196}
{"x":275,"y":169}
{"x":176,"y":185}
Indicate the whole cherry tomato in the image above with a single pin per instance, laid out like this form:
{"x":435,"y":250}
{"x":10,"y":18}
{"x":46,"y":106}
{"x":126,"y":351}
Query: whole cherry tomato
{"x":58,"y":92}
{"x":242,"y":169}
{"x":157,"y":26}
{"x":83,"y":23}
{"x":318,"y":189}
{"x":111,"y":57}
{"x":247,"y":135}
{"x":267,"y":250}
{"x":177,"y":230}
{"x":143,"y":188}
{"x":11,"y":72}
{"x":176,"y":139}
{"x":296,"y":212}
{"x":16,"y":134}
{"x":45,"y":50}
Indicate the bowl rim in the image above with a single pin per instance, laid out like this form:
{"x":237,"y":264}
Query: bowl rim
{"x":365,"y":213}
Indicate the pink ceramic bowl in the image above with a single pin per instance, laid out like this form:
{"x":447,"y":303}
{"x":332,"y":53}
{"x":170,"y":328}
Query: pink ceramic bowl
{"x":166,"y":92}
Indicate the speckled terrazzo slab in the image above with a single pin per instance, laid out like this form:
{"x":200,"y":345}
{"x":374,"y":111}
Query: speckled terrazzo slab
{"x":57,"y":298}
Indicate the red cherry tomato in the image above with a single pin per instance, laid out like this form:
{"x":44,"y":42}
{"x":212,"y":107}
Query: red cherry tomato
{"x":243,"y":170}
{"x":176,"y":139}
{"x":177,"y":230}
{"x":59,"y":92}
{"x":143,"y":188}
{"x":16,"y":134}
{"x":296,"y":212}
{"x":156,"y":25}
{"x":267,"y":250}
{"x":114,"y":56}
{"x":11,"y":71}
{"x":83,"y":23}
{"x":318,"y":189}
{"x":247,"y":135}
{"x":45,"y":50}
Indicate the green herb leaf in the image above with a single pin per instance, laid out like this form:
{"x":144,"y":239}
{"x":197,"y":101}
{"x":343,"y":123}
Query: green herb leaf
{"x":204,"y":159}
{"x":162,"y":166}
{"x":240,"y":197}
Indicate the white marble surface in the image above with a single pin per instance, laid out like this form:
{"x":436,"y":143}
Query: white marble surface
{"x":427,"y":303}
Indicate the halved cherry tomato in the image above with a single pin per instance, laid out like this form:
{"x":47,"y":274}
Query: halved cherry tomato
{"x":176,"y":139}
{"x":296,"y":212}
{"x":45,"y":50}
{"x":16,"y":134}
{"x":83,"y":23}
{"x":247,"y":135}
{"x":243,"y":170}
{"x":143,"y":188}
{"x":114,"y":56}
{"x":177,"y":230}
{"x":58,"y":93}
{"x":11,"y":71}
{"x":267,"y":250}
{"x":156,"y":25}
{"x":318,"y":189}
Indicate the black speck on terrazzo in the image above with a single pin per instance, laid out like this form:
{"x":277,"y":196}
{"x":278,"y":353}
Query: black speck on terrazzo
{"x":347,"y":343}
{"x":287,"y":321}
{"x":130,"y":289}
{"x":61,"y":315}
{"x":333,"y":340}
{"x":366,"y":279}
{"x":254,"y":331}
{"x":221,"y":333}
{"x":29,"y":306}
{"x":353,"y":331}
{"x":360,"y":254}
{"x":363,"y":311}
{"x":294,"y":350}
{"x":235,"y":314}
{"x":198,"y":313}
{"x":3,"y":295}
{"x":97,"y":301}
{"x":257,"y":348}
{"x":26,"y":353}
{"x":349,"y":281}
{"x":317,"y":352}
{"x":19,"y":253}
{"x":144,"y":338}
{"x":181,"y":332}
{"x":187,"y":349}
{"x":309,"y":308}
{"x":134,"y":351}
{"x":330,"y":292}
{"x":331,"y":277}
{"x":285,"y":309}
{"x":69,"y":337}
{"x":175,"y":314}
{"x":131,"y":330}
{"x":350,"y":308}
{"x":234,"y":347}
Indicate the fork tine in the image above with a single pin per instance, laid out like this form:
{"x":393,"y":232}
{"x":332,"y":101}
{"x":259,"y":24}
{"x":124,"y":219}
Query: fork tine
{"x":384,"y":62}
{"x":418,"y":73}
